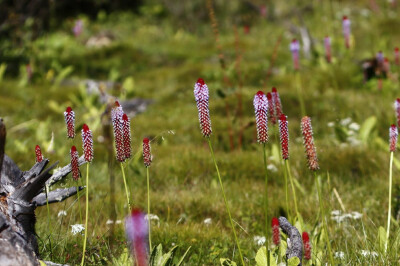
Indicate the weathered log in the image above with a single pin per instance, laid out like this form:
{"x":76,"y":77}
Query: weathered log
{"x":20,"y":194}
{"x":295,"y":248}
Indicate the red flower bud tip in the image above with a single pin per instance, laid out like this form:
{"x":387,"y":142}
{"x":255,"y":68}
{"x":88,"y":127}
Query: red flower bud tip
{"x":344,"y":17}
{"x":397,"y":109}
{"x":308,"y":142}
{"x":74,"y":163}
{"x":284,"y":136}
{"x":271,"y":109}
{"x":69,"y":117}
{"x":39,"y":155}
{"x":136,"y":227}
{"x":201,"y":96}
{"x":146,"y":152}
{"x":117,"y":104}
{"x":126,"y":128}
{"x":396,"y":49}
{"x":276,"y":238}
{"x":277,"y":103}
{"x":306,"y":246}
{"x":393,"y":133}
{"x":87,"y":143}
{"x":261,"y":110}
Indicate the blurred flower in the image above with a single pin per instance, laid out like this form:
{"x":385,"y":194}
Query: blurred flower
{"x":69,"y":117}
{"x":260,"y":240}
{"x":284,"y":136}
{"x":74,"y":163}
{"x":295,"y":48}
{"x":260,"y":103}
{"x":327,"y":45}
{"x":276,"y":238}
{"x":116,"y":119}
{"x":78,"y":27}
{"x":393,"y":133}
{"x":308,"y":142}
{"x":346,"y":31}
{"x":306,"y":246}
{"x":61,"y":213}
{"x":126,"y":131}
{"x":136,"y":228}
{"x":367,"y":253}
{"x":271,"y":109}
{"x":339,"y":254}
{"x":396,"y":56}
{"x":201,"y":96}
{"x":146,"y":152}
{"x":277,"y":103}
{"x":207,"y":221}
{"x":338,"y":217}
{"x":272,"y":168}
{"x":39,"y":155}
{"x":77,"y":228}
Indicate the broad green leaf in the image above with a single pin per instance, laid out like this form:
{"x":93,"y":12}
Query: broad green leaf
{"x":167,"y":259}
{"x":183,"y":257}
{"x":3,"y":68}
{"x":382,"y":238}
{"x":156,"y":256}
{"x":293,"y":261}
{"x":261,"y":258}
{"x":227,"y":262}
{"x":366,"y":128}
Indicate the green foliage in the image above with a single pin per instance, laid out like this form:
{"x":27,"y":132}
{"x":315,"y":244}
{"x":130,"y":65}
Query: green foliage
{"x":158,"y":258}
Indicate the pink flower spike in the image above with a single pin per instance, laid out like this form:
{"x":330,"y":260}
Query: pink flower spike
{"x":276,"y":238}
{"x":126,"y":130}
{"x":277,"y":103}
{"x":116,"y":119}
{"x":295,"y":48}
{"x":261,"y":110}
{"x":327,"y":44}
{"x":69,"y":117}
{"x":346,"y":31}
{"x":308,"y":142}
{"x":284,"y":136}
{"x":146,"y":152}
{"x":393,"y":133}
{"x":397,"y":109}
{"x":75,"y":164}
{"x":201,"y":96}
{"x":379,"y":57}
{"x":306,"y":246}
{"x":39,"y":155}
{"x":396,"y":56}
{"x":87,"y":141}
{"x":136,"y":228}
{"x":271,"y":109}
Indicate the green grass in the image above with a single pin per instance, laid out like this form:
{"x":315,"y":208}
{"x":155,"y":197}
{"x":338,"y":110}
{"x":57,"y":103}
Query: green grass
{"x":165,"y":61}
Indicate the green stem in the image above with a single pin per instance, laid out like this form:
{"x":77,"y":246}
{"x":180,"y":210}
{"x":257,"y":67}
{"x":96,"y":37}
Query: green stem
{"x":292,"y":185}
{"x":87,"y":214}
{"x":323,"y":219}
{"x":266,"y":203}
{"x":300,"y":94}
{"x":390,"y":200}
{"x":46,"y":189}
{"x":79,"y":203}
{"x":148,"y":205}
{"x":126,"y":187}
{"x":226,"y":203}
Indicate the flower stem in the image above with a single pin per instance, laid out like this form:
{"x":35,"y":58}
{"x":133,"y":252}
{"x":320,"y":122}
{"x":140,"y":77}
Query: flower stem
{"x":321,"y":207}
{"x":87,"y":213}
{"x":299,"y":93}
{"x":46,"y":189}
{"x":292,"y":185}
{"x":226,"y":203}
{"x":390,"y":200}
{"x":126,"y":187}
{"x":148,"y":205}
{"x":266,"y":203}
{"x":79,"y":203}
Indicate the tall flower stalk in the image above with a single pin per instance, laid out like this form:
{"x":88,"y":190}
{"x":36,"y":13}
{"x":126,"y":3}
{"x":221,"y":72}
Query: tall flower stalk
{"x":122,"y":136}
{"x":87,"y":143}
{"x":261,"y":110}
{"x":306,"y":246}
{"x":147,"y":161}
{"x":284,"y":137}
{"x":201,"y":96}
{"x":327,"y":45}
{"x":295,"y":48}
{"x":136,"y":228}
{"x":393,"y":133}
{"x":69,"y":117}
{"x":346,"y":31}
{"x":313,"y":165}
{"x":397,"y":110}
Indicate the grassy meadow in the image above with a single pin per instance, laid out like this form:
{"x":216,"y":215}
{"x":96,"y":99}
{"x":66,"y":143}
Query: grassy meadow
{"x":159,"y":58}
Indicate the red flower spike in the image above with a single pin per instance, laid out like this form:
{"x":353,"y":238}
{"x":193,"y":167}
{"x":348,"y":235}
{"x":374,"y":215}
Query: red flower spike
{"x":201,"y":96}
{"x":69,"y":117}
{"x":284,"y":136}
{"x":39,"y":155}
{"x":397,"y":109}
{"x":346,"y":31}
{"x":146,"y":152}
{"x":308,"y":142}
{"x":277,"y":103}
{"x":261,"y":111}
{"x":295,"y":48}
{"x":74,"y":163}
{"x":116,"y":119}
{"x":126,"y":130}
{"x":276,"y":238}
{"x":271,"y":109}
{"x":306,"y":246}
{"x":393,"y":133}
{"x":87,"y":142}
{"x":327,"y":44}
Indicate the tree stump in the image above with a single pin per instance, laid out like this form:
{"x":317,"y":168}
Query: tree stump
{"x":20,"y":193}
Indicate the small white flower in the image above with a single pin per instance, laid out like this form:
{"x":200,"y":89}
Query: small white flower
{"x":272,"y":168}
{"x":118,"y":222}
{"x":207,"y":221}
{"x":77,"y":228}
{"x":356,"y":215}
{"x":260,"y":240}
{"x":345,"y":121}
{"x":331,"y":124}
{"x":367,"y":253}
{"x":61,"y":213}
{"x":354,"y":126}
{"x":109,"y":222}
{"x":339,"y":254}
{"x":335,"y":212}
